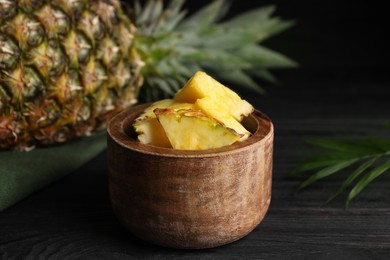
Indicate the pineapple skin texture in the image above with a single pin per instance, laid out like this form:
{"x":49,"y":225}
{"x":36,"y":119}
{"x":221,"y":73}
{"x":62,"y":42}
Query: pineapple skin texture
{"x":65,"y":68}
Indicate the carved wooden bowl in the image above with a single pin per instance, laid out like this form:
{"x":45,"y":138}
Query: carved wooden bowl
{"x":190,"y":199}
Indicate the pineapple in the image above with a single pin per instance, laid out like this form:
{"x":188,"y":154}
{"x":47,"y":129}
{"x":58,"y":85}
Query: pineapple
{"x":202,"y":85}
{"x":210,"y":104}
{"x":66,"y":66}
{"x":189,"y":129}
{"x":211,"y":108}
{"x":147,"y":127}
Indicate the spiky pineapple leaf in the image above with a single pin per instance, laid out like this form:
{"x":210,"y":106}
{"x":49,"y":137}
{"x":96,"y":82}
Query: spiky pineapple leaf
{"x":150,"y":12}
{"x":259,"y":15}
{"x":364,"y":156}
{"x":263,"y":57}
{"x":262,"y":74}
{"x":203,"y":17}
{"x":258,"y":23}
{"x":202,"y":42}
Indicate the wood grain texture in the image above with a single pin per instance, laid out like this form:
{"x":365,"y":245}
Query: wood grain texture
{"x":190,"y":199}
{"x":341,"y":90}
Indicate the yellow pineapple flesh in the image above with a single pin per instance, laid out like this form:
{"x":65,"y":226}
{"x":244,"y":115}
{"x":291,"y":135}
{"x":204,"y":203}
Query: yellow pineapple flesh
{"x":212,"y":108}
{"x":207,"y":122}
{"x":189,"y":129}
{"x":147,"y":127}
{"x":202,"y":85}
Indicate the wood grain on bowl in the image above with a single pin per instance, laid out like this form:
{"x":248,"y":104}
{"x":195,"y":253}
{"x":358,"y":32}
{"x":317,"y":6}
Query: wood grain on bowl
{"x":190,"y":199}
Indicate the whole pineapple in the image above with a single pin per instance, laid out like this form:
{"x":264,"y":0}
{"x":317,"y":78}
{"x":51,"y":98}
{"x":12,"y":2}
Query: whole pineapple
{"x":66,"y":66}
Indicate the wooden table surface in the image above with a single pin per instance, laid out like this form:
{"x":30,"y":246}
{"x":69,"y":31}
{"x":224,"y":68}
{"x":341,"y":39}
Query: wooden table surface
{"x":341,"y":90}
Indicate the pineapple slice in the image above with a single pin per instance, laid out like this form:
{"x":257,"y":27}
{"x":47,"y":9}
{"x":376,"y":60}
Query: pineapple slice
{"x":189,"y":129}
{"x":147,"y":127}
{"x":211,"y":108}
{"x":202,"y":85}
{"x":148,"y":113}
{"x":151,"y":132}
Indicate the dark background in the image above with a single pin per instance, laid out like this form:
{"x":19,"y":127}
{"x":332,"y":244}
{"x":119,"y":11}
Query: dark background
{"x":328,"y":33}
{"x":339,"y":45}
{"x":340,"y":90}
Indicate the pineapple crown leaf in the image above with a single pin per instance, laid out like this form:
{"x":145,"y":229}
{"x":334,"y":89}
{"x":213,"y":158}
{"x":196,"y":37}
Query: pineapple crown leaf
{"x":205,"y":17}
{"x":174,"y":45}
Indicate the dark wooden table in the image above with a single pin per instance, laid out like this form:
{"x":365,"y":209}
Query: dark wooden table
{"x":341,"y":90}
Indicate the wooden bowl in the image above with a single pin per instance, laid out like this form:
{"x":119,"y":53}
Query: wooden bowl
{"x":189,"y":199}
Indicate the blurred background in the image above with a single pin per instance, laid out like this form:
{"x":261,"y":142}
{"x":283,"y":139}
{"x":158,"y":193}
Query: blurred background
{"x":338,"y":44}
{"x":328,"y":33}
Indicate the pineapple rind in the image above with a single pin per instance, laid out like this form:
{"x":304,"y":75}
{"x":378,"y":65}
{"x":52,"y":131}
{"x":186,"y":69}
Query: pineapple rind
{"x":76,"y":58}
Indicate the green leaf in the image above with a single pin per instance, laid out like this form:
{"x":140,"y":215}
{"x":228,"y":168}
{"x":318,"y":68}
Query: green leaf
{"x":258,"y":23}
{"x":204,"y":17}
{"x":171,"y":17}
{"x":343,"y":153}
{"x":276,"y":26}
{"x":180,"y":68}
{"x":250,"y":18}
{"x":201,"y":41}
{"x":263,"y":57}
{"x":352,"y":177}
{"x":263,"y":74}
{"x":367,"y":179}
{"x":167,"y":26}
{"x":149,"y":11}
{"x":137,"y":9}
{"x":163,"y":84}
{"x":326,"y":172}
{"x":379,"y":145}
{"x":314,"y":164}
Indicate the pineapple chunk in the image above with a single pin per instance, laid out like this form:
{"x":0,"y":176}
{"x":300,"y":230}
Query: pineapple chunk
{"x":212,"y":109}
{"x":189,"y":129}
{"x":202,"y":85}
{"x":148,"y":113}
{"x":147,"y":127}
{"x":151,"y":132}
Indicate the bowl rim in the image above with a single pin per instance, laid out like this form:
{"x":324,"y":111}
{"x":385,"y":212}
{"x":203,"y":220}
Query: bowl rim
{"x":117,"y":125}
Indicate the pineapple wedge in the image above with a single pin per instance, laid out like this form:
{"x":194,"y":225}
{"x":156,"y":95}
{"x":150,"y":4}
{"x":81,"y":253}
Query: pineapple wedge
{"x":149,"y":130}
{"x":202,"y":85}
{"x":189,"y":129}
{"x":211,"y":108}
